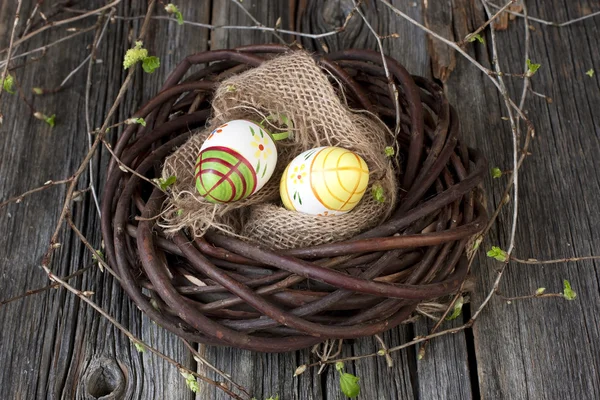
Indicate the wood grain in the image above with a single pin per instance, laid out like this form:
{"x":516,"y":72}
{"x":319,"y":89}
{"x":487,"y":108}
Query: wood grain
{"x":541,"y":349}
{"x":56,"y":347}
{"x":52,"y":346}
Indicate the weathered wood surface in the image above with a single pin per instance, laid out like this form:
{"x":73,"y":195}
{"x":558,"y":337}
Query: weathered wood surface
{"x":52,"y":346}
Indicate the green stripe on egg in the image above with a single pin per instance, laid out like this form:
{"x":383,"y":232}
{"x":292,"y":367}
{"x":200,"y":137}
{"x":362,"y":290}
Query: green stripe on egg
{"x":223,"y":175}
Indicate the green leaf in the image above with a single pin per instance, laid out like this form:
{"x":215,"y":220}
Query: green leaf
{"x":339,"y":366}
{"x":540,"y":291}
{"x":349,"y":384}
{"x":590,"y":73}
{"x":134,"y":55}
{"x":139,"y":347}
{"x":532,"y":68}
{"x":50,"y":120}
{"x":496,"y":173}
{"x":276,"y":397}
{"x":8,"y":83}
{"x":477,"y":242}
{"x":150,"y":64}
{"x":378,"y":193}
{"x":251,"y":131}
{"x":190,"y":381}
{"x":568,"y":293}
{"x":140,"y":121}
{"x":38,"y":90}
{"x":230,"y":88}
{"x":389,"y":151}
{"x":498,"y":254}
{"x":458,"y":304}
{"x":477,"y":37}
{"x":165,"y":183}
{"x":173,"y":9}
{"x":179,"y":17}
{"x":98,"y":256}
{"x":179,"y":212}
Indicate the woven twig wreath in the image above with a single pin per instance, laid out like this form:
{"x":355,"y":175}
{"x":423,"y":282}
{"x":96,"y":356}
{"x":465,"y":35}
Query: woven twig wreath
{"x":222,"y":290}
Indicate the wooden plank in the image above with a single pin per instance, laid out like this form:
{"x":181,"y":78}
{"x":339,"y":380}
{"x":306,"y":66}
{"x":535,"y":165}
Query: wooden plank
{"x":444,"y":372}
{"x":56,"y":347}
{"x":524,"y":350}
{"x":267,"y":375}
{"x":547,"y":348}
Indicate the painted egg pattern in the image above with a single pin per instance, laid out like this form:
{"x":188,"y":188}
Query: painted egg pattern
{"x":324,"y":181}
{"x":235,"y":161}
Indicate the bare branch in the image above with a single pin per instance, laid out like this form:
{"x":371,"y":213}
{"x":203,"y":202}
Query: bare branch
{"x":47,"y":46}
{"x":486,"y":23}
{"x":44,"y":288}
{"x":88,"y":89}
{"x":10,"y":47}
{"x":47,"y":185}
{"x":200,"y":359}
{"x":61,"y":22}
{"x":556,"y":261}
{"x":82,"y":295}
{"x":82,"y":167}
{"x":257,"y":22}
{"x":240,"y":27}
{"x":531,"y":296}
{"x":545,"y":22}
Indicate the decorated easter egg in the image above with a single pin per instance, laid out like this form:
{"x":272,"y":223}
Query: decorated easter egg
{"x":324,"y":181}
{"x":235,"y":161}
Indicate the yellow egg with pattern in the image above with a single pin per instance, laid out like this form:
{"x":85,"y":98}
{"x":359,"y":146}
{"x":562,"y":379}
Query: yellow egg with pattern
{"x":324,"y":181}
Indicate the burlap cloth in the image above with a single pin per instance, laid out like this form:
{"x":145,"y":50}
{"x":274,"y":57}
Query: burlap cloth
{"x":295,"y":86}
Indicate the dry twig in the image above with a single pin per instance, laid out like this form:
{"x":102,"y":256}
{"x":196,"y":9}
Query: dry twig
{"x":47,"y":185}
{"x":60,"y":23}
{"x":546,"y":22}
{"x":10,"y":48}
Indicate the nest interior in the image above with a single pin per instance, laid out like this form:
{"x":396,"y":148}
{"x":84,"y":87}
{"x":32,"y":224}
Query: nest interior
{"x":221,"y":290}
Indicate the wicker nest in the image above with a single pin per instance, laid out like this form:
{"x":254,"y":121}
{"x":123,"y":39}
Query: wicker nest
{"x":221,"y":290}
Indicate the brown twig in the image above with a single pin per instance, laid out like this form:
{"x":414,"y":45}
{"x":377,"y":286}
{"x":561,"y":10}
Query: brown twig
{"x":21,"y":94}
{"x":82,"y":167}
{"x":43,"y":289}
{"x":456,"y":47}
{"x":556,"y":261}
{"x":200,"y":359}
{"x":257,"y":22}
{"x":99,"y":257}
{"x":84,"y":296}
{"x":485,"y":24}
{"x":546,"y":22}
{"x":239,"y":27}
{"x":47,"y":46}
{"x":392,"y":86}
{"x":515,"y":175}
{"x":531,"y":296}
{"x":416,"y":340}
{"x":88,"y":88}
{"x":10,"y":47}
{"x":59,"y":23}
{"x":125,"y":168}
{"x":385,"y":352}
{"x":46,"y":185}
